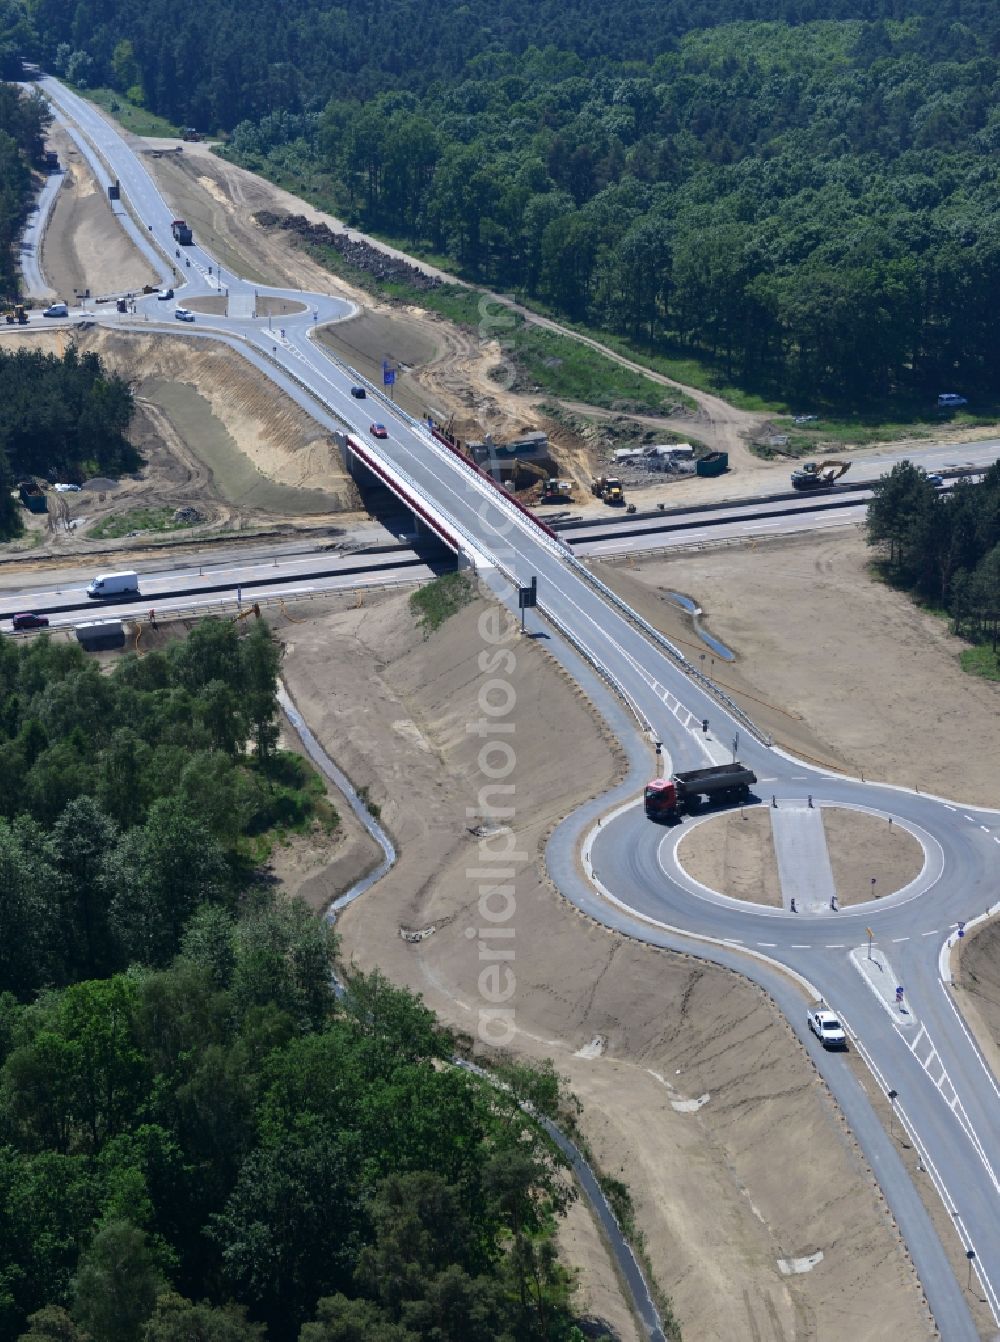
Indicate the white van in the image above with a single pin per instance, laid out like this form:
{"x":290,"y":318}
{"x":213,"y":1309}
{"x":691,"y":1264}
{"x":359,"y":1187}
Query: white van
{"x":109,"y":585}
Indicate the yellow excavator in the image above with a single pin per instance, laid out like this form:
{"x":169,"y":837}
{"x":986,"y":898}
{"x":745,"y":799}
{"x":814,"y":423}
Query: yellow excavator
{"x":819,"y":475}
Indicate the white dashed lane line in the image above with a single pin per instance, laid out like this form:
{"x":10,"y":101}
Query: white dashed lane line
{"x":950,"y":808}
{"x":835,"y":946}
{"x":930,"y":934}
{"x":970,"y":819}
{"x":895,"y":939}
{"x":770,"y":944}
{"x":797,"y":946}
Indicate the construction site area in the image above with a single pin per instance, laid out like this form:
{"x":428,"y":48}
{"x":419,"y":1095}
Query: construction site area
{"x":692,"y":1090}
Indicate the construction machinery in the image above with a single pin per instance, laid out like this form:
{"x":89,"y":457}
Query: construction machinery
{"x":821,"y":475}
{"x":16,"y":314}
{"x":181,"y":232}
{"x":609,"y":488}
{"x":191,"y":135}
{"x":556,"y":491}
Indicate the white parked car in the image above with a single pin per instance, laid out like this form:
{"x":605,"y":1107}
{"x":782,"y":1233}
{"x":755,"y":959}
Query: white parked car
{"x":184,"y":314}
{"x":827,"y":1028}
{"x":66,"y":489}
{"x":56,"y":310}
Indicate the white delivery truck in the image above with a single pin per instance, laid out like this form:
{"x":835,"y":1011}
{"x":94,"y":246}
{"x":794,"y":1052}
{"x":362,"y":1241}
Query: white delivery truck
{"x":111,"y":586}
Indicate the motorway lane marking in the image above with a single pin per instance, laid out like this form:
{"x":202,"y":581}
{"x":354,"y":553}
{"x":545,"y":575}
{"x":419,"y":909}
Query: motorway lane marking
{"x":984,"y":828}
{"x":933,"y":1059}
{"x":770,"y":944}
{"x":799,"y":946}
{"x":950,"y":808}
{"x":836,"y":946}
{"x":970,"y":819}
{"x":930,"y":934}
{"x":895,"y":939}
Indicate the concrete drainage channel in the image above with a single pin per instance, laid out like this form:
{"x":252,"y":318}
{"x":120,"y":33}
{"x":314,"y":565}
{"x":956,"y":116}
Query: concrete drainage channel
{"x":629,"y":1271}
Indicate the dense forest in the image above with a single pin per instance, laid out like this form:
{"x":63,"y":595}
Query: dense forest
{"x":128,"y":800}
{"x":220,"y":1150}
{"x":945,"y":548}
{"x":64,"y":418}
{"x":22,"y":128}
{"x":803,"y":194}
{"x":197,"y":1139}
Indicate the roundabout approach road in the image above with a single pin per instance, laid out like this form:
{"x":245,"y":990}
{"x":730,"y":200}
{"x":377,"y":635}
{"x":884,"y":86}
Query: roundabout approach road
{"x":947,"y":1096}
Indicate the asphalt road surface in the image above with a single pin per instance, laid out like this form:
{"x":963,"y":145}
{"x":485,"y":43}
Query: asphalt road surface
{"x":946,"y":1095}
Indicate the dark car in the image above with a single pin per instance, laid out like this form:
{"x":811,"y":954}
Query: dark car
{"x":359,"y":393}
{"x":30,"y":621}
{"x":378,"y":431}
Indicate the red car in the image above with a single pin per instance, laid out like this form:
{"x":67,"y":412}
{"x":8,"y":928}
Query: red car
{"x":29,"y":621}
{"x":378,"y":431}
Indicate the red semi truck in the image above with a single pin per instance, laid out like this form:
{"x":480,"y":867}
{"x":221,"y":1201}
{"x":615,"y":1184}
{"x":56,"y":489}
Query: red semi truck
{"x":723,"y":782}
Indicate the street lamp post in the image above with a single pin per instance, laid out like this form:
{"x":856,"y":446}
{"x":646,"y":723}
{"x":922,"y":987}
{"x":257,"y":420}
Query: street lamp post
{"x":893,"y":1096}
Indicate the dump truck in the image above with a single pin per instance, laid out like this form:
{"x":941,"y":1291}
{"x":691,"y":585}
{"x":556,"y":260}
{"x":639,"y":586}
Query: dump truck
{"x":609,"y":488}
{"x":665,"y":797}
{"x":821,"y":475}
{"x":181,"y":232}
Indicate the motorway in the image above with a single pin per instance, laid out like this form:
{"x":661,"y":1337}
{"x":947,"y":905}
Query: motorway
{"x":646,"y":690}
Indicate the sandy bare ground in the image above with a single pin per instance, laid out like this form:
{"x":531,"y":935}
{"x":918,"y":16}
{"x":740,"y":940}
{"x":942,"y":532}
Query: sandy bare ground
{"x":733,"y":853}
{"x":214,"y":435}
{"x":84,"y":247}
{"x":693,"y":1089}
{"x":840,"y":668}
{"x":866,"y":848}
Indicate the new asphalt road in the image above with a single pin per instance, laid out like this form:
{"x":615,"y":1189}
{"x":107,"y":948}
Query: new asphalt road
{"x":946,"y":1094}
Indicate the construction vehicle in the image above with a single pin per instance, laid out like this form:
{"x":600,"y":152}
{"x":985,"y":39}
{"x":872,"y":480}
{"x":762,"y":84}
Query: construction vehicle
{"x":556,"y":491}
{"x":813,"y":475}
{"x":608,"y":488}
{"x":52,"y":160}
{"x":253,"y":610}
{"x":190,"y":134}
{"x":715,"y":463}
{"x":723,"y":782}
{"x":16,"y":314}
{"x":33,"y":496}
{"x":181,"y":232}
